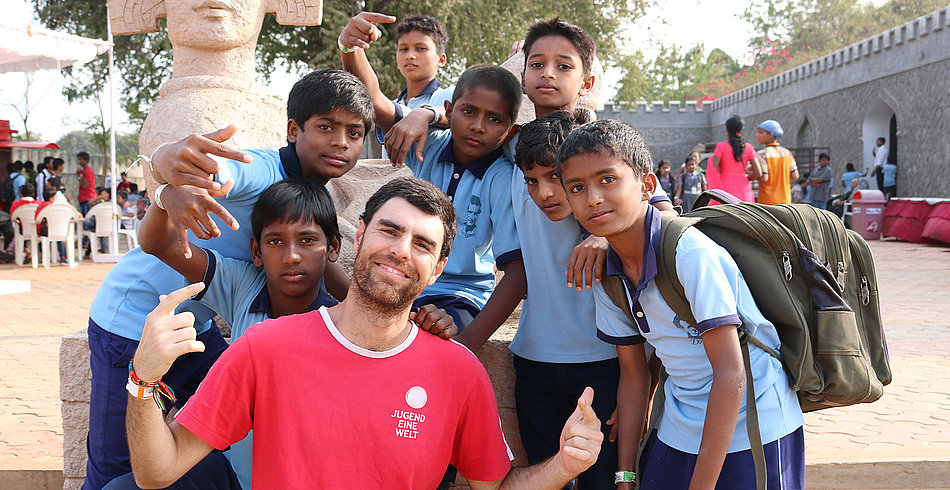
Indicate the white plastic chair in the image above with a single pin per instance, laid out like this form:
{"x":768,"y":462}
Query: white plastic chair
{"x":24,"y":228}
{"x":103,"y":215}
{"x":131,"y":234}
{"x":63,"y":223}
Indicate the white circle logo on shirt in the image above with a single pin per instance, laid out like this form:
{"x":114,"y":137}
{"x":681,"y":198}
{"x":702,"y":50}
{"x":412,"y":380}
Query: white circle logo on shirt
{"x":416,"y":397}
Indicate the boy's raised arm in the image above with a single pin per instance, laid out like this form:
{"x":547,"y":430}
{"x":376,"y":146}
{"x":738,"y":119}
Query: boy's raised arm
{"x":157,"y":236}
{"x":357,"y":36}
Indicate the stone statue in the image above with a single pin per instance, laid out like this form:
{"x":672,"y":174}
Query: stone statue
{"x":213,"y":79}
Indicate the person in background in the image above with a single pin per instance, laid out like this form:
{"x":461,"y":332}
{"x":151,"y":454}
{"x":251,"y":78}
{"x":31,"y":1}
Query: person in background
{"x":690,"y":185}
{"x":889,"y":170}
{"x":778,"y":165}
{"x":880,"y":153}
{"x":87,"y":182}
{"x":730,"y":161}
{"x":849,"y":174}
{"x":820,"y":182}
{"x":667,"y":181}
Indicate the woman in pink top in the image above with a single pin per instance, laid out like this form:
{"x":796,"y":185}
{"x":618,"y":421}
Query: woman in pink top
{"x":730,"y":160}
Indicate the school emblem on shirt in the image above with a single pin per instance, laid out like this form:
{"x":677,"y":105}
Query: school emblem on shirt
{"x":472,"y":211}
{"x":409,"y":423}
{"x":691,"y":332}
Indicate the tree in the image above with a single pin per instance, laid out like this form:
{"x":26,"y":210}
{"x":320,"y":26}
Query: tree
{"x":144,"y":60}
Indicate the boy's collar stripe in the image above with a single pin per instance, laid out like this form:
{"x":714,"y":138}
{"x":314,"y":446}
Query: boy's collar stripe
{"x":478,"y":168}
{"x":429,"y":89}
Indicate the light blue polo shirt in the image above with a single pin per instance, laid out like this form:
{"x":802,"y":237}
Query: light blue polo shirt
{"x":130,"y":291}
{"x":481,"y":193}
{"x":238,"y":291}
{"x":718,"y":296}
{"x":433,"y":94}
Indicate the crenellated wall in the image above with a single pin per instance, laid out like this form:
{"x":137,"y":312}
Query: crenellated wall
{"x":842,"y":101}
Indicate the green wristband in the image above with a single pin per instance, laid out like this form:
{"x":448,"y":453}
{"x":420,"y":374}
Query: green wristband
{"x":624,"y":477}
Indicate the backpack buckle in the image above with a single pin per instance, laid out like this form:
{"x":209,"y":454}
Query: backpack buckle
{"x":865,"y":291}
{"x":787,"y":265}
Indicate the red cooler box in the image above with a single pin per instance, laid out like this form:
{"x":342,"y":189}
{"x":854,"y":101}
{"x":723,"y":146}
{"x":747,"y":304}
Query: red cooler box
{"x":867,"y":208}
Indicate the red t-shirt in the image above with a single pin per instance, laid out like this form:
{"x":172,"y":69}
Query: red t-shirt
{"x":329,"y":414}
{"x":87,"y":192}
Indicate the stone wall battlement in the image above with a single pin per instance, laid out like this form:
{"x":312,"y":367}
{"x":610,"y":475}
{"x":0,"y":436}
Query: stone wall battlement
{"x":923,"y":40}
{"x":658,"y":113}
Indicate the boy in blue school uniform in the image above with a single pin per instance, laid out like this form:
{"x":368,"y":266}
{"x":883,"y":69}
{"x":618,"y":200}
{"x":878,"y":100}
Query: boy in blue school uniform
{"x":467,"y":163}
{"x":420,"y":52}
{"x":702,"y":441}
{"x":329,"y":112}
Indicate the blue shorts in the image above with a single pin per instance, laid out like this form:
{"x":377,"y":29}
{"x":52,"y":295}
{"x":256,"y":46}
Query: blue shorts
{"x":663,"y":467}
{"x":106,"y":445}
{"x":461,"y":310}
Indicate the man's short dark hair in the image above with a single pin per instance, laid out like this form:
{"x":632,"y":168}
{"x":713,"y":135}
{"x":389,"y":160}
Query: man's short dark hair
{"x":882,"y":140}
{"x":581,"y":40}
{"x":49,"y":193}
{"x":321,"y":91}
{"x":18,"y":165}
{"x":849,"y":167}
{"x":424,"y":196}
{"x":609,"y":137}
{"x":124,"y":195}
{"x":539,"y":140}
{"x":56,"y":183}
{"x":28,"y":166}
{"x":823,"y":156}
{"x":494,"y":78}
{"x":58,"y":163}
{"x":82,"y":156}
{"x":47,"y":159}
{"x":430,"y":26}
{"x":295,"y":199}
{"x":27,"y":190}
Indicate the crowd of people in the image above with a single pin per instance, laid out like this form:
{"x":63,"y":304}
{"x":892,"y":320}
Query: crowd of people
{"x":45,"y":185}
{"x":333,"y":382}
{"x":735,"y":164}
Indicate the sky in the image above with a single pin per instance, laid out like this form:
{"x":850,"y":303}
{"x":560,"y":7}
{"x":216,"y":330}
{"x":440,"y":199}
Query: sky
{"x":681,"y":22}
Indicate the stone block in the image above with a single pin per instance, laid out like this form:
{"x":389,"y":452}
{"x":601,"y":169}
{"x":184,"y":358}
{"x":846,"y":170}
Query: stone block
{"x":72,"y":484}
{"x":74,"y":371}
{"x":31,"y":479}
{"x":75,"y":428}
{"x":497,"y":360}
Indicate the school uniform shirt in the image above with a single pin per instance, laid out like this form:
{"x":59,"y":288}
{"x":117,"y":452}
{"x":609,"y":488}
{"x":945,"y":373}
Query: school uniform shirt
{"x":238,"y":292}
{"x":433,"y":94}
{"x":130,"y":291}
{"x":481,"y":194}
{"x":327,"y":413}
{"x":719,"y":297}
{"x":847,"y":177}
{"x":890,"y":175}
{"x":557,"y":322}
{"x":821,"y":193}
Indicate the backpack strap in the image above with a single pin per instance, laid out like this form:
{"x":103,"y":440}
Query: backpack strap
{"x":613,"y":286}
{"x":752,"y":414}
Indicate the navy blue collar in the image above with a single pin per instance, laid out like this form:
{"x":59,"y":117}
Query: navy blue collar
{"x":651,"y":243}
{"x":261,"y":303}
{"x":288,"y":158}
{"x":477,"y":168}
{"x":429,"y":89}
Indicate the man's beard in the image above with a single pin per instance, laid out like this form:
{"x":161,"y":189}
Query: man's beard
{"x":382,"y":297}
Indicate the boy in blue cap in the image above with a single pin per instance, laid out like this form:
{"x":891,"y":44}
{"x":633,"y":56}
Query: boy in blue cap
{"x":778,"y":166}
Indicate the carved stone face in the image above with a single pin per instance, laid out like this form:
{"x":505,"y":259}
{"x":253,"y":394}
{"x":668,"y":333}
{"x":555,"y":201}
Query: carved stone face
{"x":214,"y":24}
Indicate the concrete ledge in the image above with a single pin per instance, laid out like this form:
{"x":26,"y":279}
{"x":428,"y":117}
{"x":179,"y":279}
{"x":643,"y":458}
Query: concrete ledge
{"x":31,"y":479}
{"x":886,"y":474}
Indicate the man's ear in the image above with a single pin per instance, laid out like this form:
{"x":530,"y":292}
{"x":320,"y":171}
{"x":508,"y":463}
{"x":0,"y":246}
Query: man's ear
{"x":292,"y":130}
{"x":256,"y":253}
{"x":588,"y":85}
{"x":649,"y":186}
{"x":333,"y":249}
{"x":442,"y":60}
{"x":358,"y":238}
{"x":448,"y":112}
{"x":439,"y":267}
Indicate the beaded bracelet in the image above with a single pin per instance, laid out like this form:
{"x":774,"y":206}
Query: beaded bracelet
{"x":160,"y":388}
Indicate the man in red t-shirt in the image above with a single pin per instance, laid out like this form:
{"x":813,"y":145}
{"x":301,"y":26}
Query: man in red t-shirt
{"x":87,"y":182}
{"x":352,"y":396}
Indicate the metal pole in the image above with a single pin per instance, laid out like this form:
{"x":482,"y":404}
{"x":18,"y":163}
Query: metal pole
{"x":116,"y":212}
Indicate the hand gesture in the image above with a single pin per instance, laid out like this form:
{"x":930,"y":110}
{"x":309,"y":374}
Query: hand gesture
{"x":587,"y":263}
{"x":191,"y":207}
{"x":414,"y":128}
{"x":187,"y":162}
{"x":435,"y":321}
{"x":359,"y":32}
{"x":581,"y":437}
{"x":167,"y":336}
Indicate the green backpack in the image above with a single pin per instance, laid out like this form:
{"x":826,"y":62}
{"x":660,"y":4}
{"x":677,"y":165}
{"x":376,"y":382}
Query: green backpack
{"x":812,"y":278}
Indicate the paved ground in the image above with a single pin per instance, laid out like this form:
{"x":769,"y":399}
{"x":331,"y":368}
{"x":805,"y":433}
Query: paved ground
{"x":910,"y":424}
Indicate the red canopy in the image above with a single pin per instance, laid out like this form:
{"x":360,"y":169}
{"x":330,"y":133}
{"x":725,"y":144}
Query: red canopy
{"x":35,"y":145}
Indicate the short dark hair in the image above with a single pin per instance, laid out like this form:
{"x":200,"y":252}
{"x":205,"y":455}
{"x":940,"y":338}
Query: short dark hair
{"x":27,"y":190}
{"x":18,"y":165}
{"x":293,"y":199}
{"x":662,"y":163}
{"x":122,"y":194}
{"x":28,"y":165}
{"x":539,"y":140}
{"x":49,"y":193}
{"x":321,"y":91}
{"x":424,"y":196}
{"x":494,"y":78}
{"x":47,"y":159}
{"x":882,"y":140}
{"x":82,"y":156}
{"x":58,"y":162}
{"x":581,"y":40}
{"x":849,"y":167}
{"x":823,"y":156}
{"x":430,"y":26}
{"x":609,"y":137}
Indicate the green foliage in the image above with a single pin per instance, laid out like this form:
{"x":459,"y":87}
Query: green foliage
{"x":480,"y":31}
